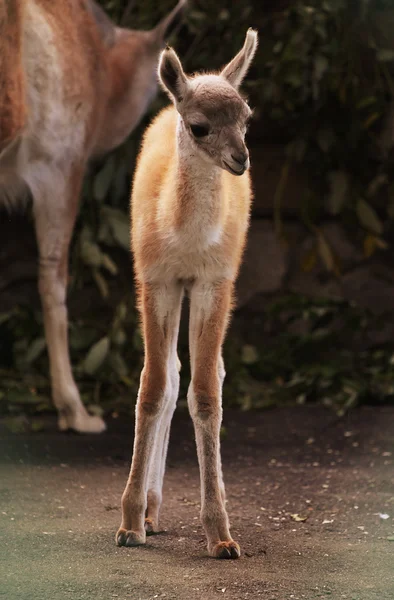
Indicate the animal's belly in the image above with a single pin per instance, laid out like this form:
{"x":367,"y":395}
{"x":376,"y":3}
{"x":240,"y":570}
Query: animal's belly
{"x":13,"y":188}
{"x":191,"y":265}
{"x":55,"y":116}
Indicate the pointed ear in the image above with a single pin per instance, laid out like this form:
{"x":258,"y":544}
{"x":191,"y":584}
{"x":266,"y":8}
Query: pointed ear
{"x":171,"y":23}
{"x":171,"y":75}
{"x":236,"y":70}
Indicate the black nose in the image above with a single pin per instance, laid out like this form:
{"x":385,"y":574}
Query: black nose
{"x":241,"y":158}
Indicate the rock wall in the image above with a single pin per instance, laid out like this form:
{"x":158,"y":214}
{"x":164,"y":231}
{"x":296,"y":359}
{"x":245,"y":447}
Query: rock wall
{"x":272,"y":267}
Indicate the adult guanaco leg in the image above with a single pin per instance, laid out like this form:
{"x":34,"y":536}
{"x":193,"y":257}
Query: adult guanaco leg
{"x":54,"y":222}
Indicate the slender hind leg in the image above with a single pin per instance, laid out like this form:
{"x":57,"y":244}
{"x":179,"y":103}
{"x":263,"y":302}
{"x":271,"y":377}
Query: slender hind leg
{"x":158,"y":462}
{"x":55,"y":206}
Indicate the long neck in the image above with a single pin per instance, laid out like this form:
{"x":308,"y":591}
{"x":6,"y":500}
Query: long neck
{"x":131,"y":86}
{"x":199,"y":197}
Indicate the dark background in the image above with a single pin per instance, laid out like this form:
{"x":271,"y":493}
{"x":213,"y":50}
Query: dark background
{"x":314,"y":319}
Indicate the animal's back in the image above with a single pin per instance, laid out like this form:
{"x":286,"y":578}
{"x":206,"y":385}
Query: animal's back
{"x":62,"y":59}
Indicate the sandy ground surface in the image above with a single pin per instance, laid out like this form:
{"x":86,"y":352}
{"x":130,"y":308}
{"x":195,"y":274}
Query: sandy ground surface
{"x":60,"y":498}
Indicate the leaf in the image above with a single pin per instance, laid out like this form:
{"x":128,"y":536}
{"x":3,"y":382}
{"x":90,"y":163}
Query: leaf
{"x":369,"y":245}
{"x":121,"y":312}
{"x":371,"y":120}
{"x":119,"y":337}
{"x":368,"y":217}
{"x":90,"y":253}
{"x":121,"y":233}
{"x":385,"y":55}
{"x":21,"y":397}
{"x":372,"y":243}
{"x":249,"y":355}
{"x":298,"y":518}
{"x":390,"y":205}
{"x":294,"y":79}
{"x":96,"y":356}
{"x":95,"y":409}
{"x":119,"y":224}
{"x":376,"y":184}
{"x":118,"y":364}
{"x":198,"y":15}
{"x":102,"y":181}
{"x":382,"y":244}
{"x":35,"y":349}
{"x":309,"y":260}
{"x":109,"y":264}
{"x":82,"y":337}
{"x":101,"y":283}
{"x":366,"y":102}
{"x":296,"y":149}
{"x":320,"y":66}
{"x":339,"y":186}
{"x":104,"y":235}
{"x":325,"y":252}
{"x":16,"y":424}
{"x":278,"y":47}
{"x":326,"y":139}
{"x":224,"y":15}
{"x":4,"y":317}
{"x":37,"y":425}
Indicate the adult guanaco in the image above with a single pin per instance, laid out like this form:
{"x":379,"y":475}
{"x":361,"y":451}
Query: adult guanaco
{"x":190,"y":203}
{"x":72,"y":87}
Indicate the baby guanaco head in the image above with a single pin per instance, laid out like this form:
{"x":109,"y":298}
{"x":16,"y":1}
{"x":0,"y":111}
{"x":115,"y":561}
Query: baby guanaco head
{"x":214,"y":116}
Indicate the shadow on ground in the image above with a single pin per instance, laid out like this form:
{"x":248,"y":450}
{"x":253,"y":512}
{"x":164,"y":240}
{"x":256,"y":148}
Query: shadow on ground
{"x":60,"y":500}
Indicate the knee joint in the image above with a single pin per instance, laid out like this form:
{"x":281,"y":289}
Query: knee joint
{"x":204,"y":406}
{"x":151,"y":404}
{"x":151,"y":398}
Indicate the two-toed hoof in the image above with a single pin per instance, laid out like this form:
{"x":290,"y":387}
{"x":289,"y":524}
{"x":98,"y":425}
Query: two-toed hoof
{"x":82,"y":423}
{"x":129,"y":538}
{"x":151,"y":526}
{"x":225,"y":550}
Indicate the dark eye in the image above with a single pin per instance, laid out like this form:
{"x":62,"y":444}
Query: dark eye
{"x":199,"y":131}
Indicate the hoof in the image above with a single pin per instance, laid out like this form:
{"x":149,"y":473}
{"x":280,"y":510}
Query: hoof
{"x":82,"y":423}
{"x":129,"y":538}
{"x":151,"y":526}
{"x":226,"y":550}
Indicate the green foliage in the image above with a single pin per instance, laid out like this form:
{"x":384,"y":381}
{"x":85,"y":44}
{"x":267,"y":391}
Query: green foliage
{"x":321,"y":83}
{"x":312,"y":351}
{"x":328,"y":87}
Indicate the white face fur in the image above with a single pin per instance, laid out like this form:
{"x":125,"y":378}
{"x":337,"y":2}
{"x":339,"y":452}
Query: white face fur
{"x":214,"y":116}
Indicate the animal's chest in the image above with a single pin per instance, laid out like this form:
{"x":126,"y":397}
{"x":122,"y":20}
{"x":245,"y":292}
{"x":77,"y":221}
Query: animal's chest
{"x":190,"y":254}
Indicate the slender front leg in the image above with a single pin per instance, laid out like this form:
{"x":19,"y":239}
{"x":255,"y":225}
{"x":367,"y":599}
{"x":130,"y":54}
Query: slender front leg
{"x":160,"y":308}
{"x":209,"y":312}
{"x":55,"y":206}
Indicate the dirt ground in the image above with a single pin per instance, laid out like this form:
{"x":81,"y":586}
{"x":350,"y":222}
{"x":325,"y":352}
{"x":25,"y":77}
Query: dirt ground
{"x":60,"y":497}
